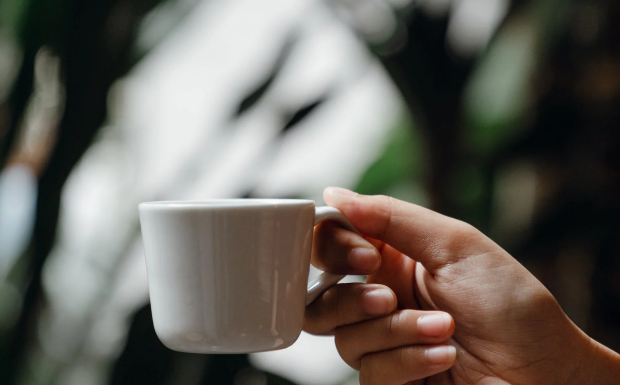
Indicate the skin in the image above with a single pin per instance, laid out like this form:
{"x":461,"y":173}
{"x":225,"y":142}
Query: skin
{"x":443,"y":304}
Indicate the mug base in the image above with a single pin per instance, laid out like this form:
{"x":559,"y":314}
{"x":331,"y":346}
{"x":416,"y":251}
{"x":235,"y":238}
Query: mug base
{"x":187,"y":345}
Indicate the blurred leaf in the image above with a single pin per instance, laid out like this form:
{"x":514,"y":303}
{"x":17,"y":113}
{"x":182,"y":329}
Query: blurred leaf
{"x":254,"y":96}
{"x":497,"y":95}
{"x":250,"y":100}
{"x":160,"y":22}
{"x":501,"y":91}
{"x":92,"y":60}
{"x":302,"y":113}
{"x":397,"y":171}
{"x":12,"y":13}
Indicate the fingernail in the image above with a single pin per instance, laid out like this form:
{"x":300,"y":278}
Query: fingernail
{"x":340,"y":191}
{"x":364,"y":260}
{"x":434,"y":325}
{"x":441,"y":355}
{"x":378,"y":301}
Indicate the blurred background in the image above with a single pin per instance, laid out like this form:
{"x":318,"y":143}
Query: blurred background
{"x":502,"y":113}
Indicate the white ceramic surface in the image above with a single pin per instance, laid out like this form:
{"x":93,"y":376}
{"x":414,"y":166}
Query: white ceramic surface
{"x":230,"y":276}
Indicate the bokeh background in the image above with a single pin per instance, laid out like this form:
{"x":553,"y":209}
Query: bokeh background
{"x":502,"y":113}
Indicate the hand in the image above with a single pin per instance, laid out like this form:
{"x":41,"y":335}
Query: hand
{"x":468,"y":313}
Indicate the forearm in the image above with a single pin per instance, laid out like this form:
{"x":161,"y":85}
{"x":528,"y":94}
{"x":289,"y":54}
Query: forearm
{"x":595,"y":364}
{"x":606,"y":365}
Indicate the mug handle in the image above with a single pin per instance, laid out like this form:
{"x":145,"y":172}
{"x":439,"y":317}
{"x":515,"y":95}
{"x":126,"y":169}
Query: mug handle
{"x":326,"y":280}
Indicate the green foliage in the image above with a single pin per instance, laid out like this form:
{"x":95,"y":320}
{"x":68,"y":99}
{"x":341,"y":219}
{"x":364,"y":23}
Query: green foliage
{"x":498,"y":93}
{"x":398,"y":170}
{"x":12,"y":13}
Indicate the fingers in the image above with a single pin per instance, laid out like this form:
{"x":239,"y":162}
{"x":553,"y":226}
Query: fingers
{"x":341,"y":251}
{"x":402,"y":346}
{"x":399,"y":329}
{"x":402,"y":365}
{"x":431,"y":238}
{"x":396,"y":272}
{"x":347,"y":304}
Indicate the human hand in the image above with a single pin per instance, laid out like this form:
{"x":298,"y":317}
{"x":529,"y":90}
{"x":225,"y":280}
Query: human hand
{"x":509,"y":328}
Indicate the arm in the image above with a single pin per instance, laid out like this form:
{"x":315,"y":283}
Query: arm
{"x":501,"y":322}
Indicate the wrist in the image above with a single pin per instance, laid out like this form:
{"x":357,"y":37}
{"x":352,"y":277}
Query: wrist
{"x":595,"y":364}
{"x":606,"y":365}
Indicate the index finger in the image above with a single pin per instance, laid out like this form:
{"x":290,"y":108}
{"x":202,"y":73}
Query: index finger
{"x":432,"y":239}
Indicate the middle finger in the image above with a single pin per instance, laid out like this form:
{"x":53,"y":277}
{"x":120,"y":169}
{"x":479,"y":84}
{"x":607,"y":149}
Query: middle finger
{"x":341,"y":251}
{"x":346,"y":304}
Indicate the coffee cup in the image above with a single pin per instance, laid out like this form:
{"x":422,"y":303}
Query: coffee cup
{"x":231,"y":276}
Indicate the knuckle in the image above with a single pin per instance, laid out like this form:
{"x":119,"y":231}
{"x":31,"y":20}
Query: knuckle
{"x":340,"y":340}
{"x":362,"y":378}
{"x":332,"y":310}
{"x":463,"y":231}
{"x":391,"y":325}
{"x":367,"y":371}
{"x":344,"y":347}
{"x":330,"y":298}
{"x":403,"y":357}
{"x":355,"y":206}
{"x":312,"y":321}
{"x":323,"y":315}
{"x":388,"y":210}
{"x":340,"y":313}
{"x":454,"y":247}
{"x":323,"y":238}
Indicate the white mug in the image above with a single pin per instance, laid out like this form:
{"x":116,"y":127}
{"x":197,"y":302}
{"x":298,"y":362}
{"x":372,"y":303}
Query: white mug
{"x":231,"y":276}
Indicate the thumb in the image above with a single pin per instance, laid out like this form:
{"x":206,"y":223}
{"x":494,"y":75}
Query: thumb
{"x":424,"y":235}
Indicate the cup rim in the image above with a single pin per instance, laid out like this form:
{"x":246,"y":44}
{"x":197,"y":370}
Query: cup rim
{"x":225,"y":203}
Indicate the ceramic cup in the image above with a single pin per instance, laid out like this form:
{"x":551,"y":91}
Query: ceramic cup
{"x":231,"y":276}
